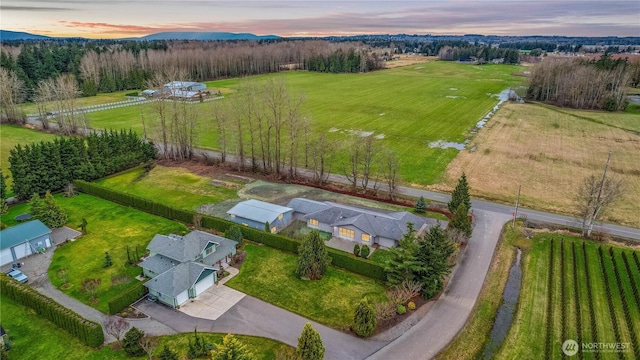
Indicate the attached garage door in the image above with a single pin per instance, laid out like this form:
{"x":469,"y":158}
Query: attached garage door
{"x":22,"y":250}
{"x":6,"y":257}
{"x":204,"y":284}
{"x":182,"y":298}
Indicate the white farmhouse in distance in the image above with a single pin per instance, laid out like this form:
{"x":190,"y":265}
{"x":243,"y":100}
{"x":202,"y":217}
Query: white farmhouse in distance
{"x":183,"y":89}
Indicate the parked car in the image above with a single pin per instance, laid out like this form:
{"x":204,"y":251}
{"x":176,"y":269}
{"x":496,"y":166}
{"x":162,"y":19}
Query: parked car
{"x":18,"y":275}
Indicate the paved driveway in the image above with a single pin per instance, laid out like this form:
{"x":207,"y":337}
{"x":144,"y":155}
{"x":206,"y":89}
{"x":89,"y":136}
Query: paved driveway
{"x":212,"y":303}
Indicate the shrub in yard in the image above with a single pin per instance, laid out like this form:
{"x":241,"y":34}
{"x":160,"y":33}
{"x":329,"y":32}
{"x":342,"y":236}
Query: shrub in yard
{"x":131,"y":342}
{"x":411,"y":305}
{"x":231,"y":349}
{"x":364,"y":319}
{"x":267,"y":227}
{"x":126,"y":298}
{"x":47,"y":211}
{"x":107,"y":260}
{"x":168,"y":354}
{"x":364,"y":253}
{"x":356,"y":249}
{"x":421,"y":205}
{"x":310,"y":345}
{"x":234,"y":233}
{"x":400,"y":309}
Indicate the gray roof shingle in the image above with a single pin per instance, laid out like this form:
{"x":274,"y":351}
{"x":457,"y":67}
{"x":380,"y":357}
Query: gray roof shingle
{"x":177,"y":279}
{"x":158,"y":264}
{"x":306,"y":206}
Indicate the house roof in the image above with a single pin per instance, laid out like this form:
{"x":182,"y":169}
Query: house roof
{"x":224,"y":247}
{"x":259,"y":211}
{"x":306,"y":206}
{"x":184,"y":248}
{"x":21,"y":233}
{"x":181,"y":84}
{"x":158,"y":264}
{"x":177,"y":279}
{"x":388,"y":225}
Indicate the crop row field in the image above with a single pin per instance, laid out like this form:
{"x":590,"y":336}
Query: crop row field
{"x":550,"y":152}
{"x":576,"y":290}
{"x":406,"y":108}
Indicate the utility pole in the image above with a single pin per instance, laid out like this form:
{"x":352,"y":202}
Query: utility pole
{"x":515,"y":213}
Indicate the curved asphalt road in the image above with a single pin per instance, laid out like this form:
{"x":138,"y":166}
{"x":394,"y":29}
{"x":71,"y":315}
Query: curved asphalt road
{"x":449,"y":314}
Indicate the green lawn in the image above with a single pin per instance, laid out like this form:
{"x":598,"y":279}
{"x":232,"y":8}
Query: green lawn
{"x":36,"y":338}
{"x":111,"y":228}
{"x":183,"y":189}
{"x":527,"y":336}
{"x":10,"y":136}
{"x":380,"y":256}
{"x":410,"y":106}
{"x":269,"y":274}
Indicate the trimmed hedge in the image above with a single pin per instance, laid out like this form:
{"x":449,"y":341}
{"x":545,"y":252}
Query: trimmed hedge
{"x":89,"y":332}
{"x":339,"y":258}
{"x":126,"y":298}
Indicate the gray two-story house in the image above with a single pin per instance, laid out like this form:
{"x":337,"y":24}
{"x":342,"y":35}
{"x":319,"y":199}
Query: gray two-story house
{"x":182,"y":267}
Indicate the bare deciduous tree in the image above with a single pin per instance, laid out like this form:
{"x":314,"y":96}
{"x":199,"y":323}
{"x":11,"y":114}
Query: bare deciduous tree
{"x":352,"y":170}
{"x":369,"y":153}
{"x":149,"y":344}
{"x":91,"y":286}
{"x":594,"y":195}
{"x":116,"y":327}
{"x":11,"y":94}
{"x":64,"y":95}
{"x":321,"y":152}
{"x":389,"y":169}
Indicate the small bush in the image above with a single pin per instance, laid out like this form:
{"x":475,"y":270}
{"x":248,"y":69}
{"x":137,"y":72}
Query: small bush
{"x":411,"y":305}
{"x":131,"y":342}
{"x":133,"y":93}
{"x":400,"y":309}
{"x":365,"y":251}
{"x":356,"y":249}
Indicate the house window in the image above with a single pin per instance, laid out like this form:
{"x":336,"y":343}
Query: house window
{"x":233,"y":215}
{"x":273,"y":230}
{"x":280,"y":216}
{"x":313,"y":222}
{"x":346,"y":232}
{"x":366,"y":237}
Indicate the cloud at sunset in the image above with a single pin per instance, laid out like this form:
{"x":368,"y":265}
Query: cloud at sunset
{"x":297,"y":18}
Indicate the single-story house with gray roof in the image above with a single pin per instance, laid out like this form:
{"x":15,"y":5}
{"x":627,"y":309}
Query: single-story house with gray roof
{"x":182,"y":267}
{"x":256,"y":214}
{"x":361,"y":225}
{"x":23,"y":240}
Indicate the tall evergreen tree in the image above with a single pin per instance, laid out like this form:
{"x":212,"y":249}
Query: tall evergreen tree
{"x":310,"y":345}
{"x":460,"y":195}
{"x":232,"y":349}
{"x":47,"y":211}
{"x":403,"y":264}
{"x":3,"y":186}
{"x":364,"y":319}
{"x":313,"y":258}
{"x":168,"y":354}
{"x":433,"y":252}
{"x":461,"y":222}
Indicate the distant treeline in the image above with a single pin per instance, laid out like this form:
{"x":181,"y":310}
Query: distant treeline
{"x":343,"y":62}
{"x":584,"y":84}
{"x":548,"y":47}
{"x":114,"y":66}
{"x":39,"y":167}
{"x":480,"y":54}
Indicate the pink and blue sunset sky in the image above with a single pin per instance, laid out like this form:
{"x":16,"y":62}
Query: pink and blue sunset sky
{"x":118,"y":18}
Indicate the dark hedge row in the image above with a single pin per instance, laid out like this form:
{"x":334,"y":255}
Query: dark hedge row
{"x":87,"y":331}
{"x":339,"y":259}
{"x":126,"y":298}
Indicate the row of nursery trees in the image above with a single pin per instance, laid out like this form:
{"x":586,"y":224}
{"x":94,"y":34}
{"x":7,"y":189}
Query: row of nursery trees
{"x":49,"y":166}
{"x":121,"y":66}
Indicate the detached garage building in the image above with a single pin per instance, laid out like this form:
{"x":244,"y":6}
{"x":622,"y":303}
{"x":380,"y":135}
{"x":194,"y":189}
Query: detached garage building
{"x":23,"y":240}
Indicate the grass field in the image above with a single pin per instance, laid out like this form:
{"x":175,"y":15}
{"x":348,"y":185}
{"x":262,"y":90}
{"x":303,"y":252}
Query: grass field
{"x":410,"y":106}
{"x":575,"y":289}
{"x":23,"y":325}
{"x":111,"y":228}
{"x":269,"y":274}
{"x":183,"y":189}
{"x":550,"y":151}
{"x":10,"y":136}
{"x":102,"y":98}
